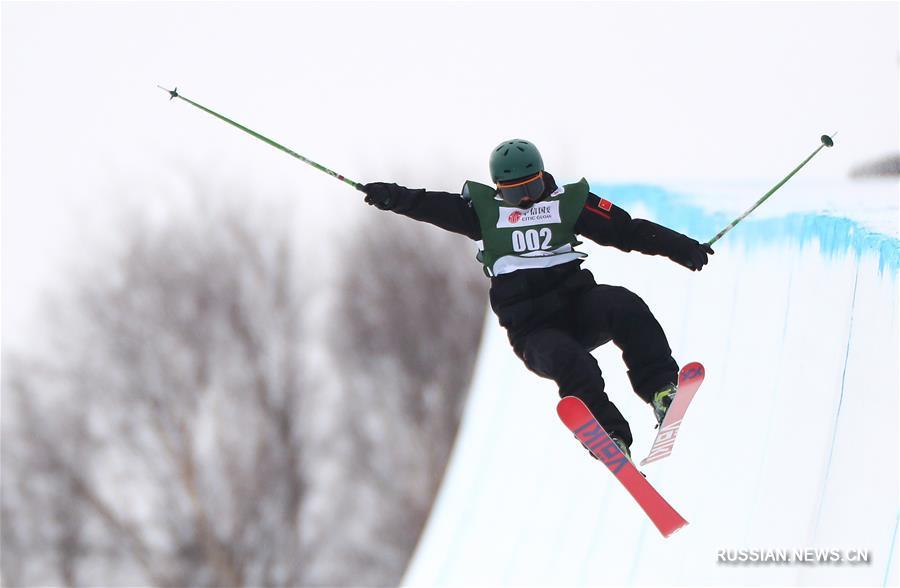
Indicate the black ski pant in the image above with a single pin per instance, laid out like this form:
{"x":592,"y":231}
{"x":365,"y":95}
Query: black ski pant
{"x":559,"y":348}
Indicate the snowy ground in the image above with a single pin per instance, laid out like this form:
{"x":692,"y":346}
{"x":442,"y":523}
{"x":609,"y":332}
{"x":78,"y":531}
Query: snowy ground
{"x":790,"y":444}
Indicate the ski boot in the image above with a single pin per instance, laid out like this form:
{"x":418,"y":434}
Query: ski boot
{"x":620,"y":443}
{"x":662,"y":400}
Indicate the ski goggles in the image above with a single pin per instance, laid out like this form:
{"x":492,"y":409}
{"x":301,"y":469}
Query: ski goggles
{"x":515,"y":192}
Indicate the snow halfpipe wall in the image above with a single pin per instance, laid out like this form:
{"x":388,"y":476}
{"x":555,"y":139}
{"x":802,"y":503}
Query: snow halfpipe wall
{"x":790,"y":444}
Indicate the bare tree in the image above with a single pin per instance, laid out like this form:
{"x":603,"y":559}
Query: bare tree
{"x":162,"y":438}
{"x":183,"y":425}
{"x":411,"y":307}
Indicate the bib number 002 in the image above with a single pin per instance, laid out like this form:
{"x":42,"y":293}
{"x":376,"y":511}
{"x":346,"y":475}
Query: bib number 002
{"x":531,"y":240}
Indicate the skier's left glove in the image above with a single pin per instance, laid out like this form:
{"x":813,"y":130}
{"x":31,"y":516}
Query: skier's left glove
{"x":692,"y":254}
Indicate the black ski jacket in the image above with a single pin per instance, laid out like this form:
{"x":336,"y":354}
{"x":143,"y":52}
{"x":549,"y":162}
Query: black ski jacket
{"x":524,"y":299}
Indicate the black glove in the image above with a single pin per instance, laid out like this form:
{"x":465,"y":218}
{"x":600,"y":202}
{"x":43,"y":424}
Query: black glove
{"x":382,"y":195}
{"x":692,"y":255}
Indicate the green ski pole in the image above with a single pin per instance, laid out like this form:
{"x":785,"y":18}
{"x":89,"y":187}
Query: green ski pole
{"x":826,"y":142}
{"x":174,"y":94}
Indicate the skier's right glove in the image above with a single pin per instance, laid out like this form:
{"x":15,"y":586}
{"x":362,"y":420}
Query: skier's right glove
{"x":382,"y":195}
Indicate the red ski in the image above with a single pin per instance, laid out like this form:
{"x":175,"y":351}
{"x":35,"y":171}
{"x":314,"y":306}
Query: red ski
{"x":689,"y":380}
{"x":578,"y":418}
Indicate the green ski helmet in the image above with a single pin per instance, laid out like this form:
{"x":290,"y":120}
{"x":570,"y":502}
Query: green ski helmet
{"x":517,"y":169}
{"x":515,"y":159}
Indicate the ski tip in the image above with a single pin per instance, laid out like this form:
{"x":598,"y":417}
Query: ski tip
{"x":568,"y":402}
{"x":692,"y":370}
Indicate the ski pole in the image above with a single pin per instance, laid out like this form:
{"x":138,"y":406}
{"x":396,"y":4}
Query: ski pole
{"x":826,"y":142}
{"x":174,"y":94}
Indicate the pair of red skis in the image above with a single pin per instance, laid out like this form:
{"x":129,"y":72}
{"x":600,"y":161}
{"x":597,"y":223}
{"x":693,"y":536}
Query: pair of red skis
{"x":576,"y":416}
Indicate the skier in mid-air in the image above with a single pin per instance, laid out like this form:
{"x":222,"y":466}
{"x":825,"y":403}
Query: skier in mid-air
{"x":554,"y":312}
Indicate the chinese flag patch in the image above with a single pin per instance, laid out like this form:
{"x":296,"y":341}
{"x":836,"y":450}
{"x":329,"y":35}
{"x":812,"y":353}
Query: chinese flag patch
{"x":602,"y":208}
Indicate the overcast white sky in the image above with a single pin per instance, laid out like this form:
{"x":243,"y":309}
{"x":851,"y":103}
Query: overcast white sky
{"x":416,"y":93}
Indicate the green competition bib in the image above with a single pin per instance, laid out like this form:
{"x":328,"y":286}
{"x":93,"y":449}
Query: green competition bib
{"x":515,"y":238}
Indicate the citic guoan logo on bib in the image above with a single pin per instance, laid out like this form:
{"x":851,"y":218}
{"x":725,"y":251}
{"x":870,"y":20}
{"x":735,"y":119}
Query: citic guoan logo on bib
{"x":542,"y":213}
